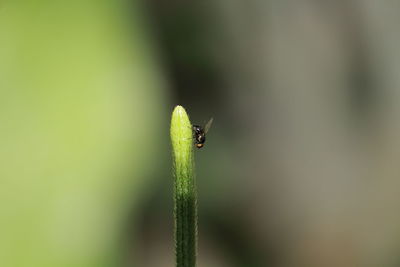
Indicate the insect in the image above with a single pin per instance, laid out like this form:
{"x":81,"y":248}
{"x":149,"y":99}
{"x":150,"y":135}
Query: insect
{"x":199,"y":133}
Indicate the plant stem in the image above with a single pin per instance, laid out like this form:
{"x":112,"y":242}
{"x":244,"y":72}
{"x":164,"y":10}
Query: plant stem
{"x":185,"y":198}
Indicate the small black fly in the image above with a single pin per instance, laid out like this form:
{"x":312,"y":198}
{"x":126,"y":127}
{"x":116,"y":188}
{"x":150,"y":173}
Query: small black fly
{"x":199,"y":133}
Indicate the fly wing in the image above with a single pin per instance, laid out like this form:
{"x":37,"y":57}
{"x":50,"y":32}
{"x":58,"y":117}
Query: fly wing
{"x":208,"y":125}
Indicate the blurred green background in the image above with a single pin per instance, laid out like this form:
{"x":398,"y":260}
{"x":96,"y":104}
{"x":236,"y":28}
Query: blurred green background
{"x":300,"y":167}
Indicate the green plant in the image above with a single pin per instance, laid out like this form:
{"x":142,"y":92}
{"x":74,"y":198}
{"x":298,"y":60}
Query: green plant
{"x":185,"y":198}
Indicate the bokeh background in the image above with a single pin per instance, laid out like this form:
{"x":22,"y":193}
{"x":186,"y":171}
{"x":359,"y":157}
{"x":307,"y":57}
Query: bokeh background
{"x":301,"y":166}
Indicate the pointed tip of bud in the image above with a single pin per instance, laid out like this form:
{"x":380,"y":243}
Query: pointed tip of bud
{"x":181,"y":132}
{"x":179,"y":110}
